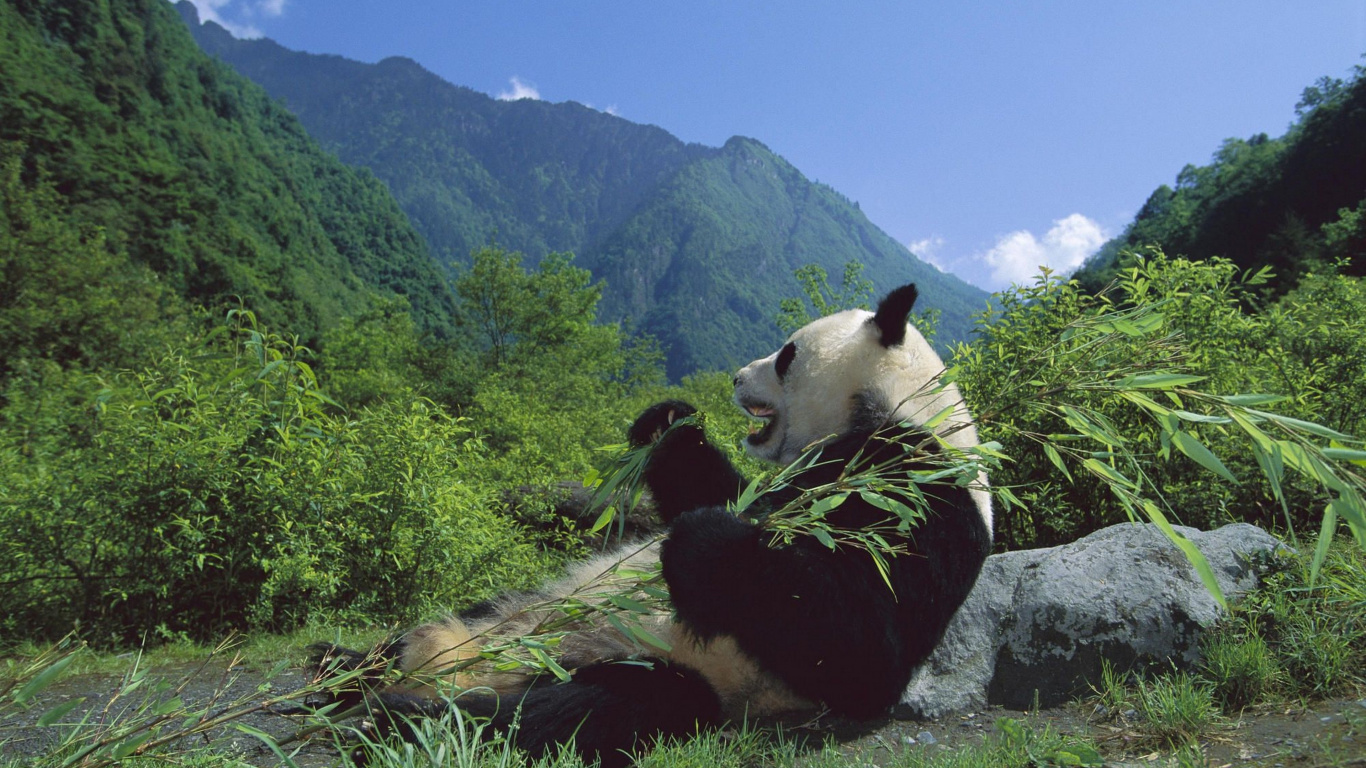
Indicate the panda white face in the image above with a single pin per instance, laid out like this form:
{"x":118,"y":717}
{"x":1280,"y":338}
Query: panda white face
{"x":805,"y":391}
{"x":837,"y":372}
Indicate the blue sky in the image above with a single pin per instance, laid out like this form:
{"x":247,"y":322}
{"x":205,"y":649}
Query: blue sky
{"x":987,"y":137}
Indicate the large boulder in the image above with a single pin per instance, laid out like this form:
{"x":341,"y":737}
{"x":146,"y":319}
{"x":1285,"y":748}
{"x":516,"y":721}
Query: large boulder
{"x":1039,"y":622}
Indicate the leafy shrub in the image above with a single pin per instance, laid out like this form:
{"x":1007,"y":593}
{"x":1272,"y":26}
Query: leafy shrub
{"x":220,"y":488}
{"x":1305,"y":354}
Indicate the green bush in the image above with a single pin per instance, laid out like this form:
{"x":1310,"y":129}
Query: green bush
{"x":1307,"y":350}
{"x":219,"y":488}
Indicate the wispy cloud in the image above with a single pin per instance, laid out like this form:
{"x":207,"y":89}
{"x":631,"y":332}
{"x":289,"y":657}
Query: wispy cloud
{"x":271,"y":7}
{"x":234,"y":15}
{"x":520,"y":90}
{"x":928,"y":251}
{"x":1016,"y":257}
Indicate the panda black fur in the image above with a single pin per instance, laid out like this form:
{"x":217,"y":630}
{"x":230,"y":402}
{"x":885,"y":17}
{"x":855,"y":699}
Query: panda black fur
{"x":758,"y":629}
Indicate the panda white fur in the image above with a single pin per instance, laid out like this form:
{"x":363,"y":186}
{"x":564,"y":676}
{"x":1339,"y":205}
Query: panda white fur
{"x":757,"y":629}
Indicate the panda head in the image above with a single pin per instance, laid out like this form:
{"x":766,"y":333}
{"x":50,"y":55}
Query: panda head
{"x":849,"y":371}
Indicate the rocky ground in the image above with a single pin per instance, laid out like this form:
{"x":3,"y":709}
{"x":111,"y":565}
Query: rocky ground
{"x":1330,"y":733}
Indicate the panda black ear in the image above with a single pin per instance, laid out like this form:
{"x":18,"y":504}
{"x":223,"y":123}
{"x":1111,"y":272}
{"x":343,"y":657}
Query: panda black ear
{"x":892,"y":313}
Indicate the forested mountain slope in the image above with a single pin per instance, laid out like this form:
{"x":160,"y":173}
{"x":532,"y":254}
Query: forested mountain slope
{"x":696,"y":244}
{"x":712,"y":253}
{"x":1294,"y":203}
{"x":113,"y":123}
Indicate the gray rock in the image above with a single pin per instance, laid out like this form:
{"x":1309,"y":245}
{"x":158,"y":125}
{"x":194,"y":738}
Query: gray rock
{"x":1039,"y":622}
{"x":957,"y":675}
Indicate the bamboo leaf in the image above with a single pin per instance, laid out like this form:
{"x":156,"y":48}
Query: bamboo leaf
{"x":1202,"y":418}
{"x":1056,"y":458}
{"x":617,"y":624}
{"x":608,"y":512}
{"x":1158,"y":380}
{"x":938,"y":418}
{"x":881,"y":564}
{"x":1307,"y":426}
{"x":1346,"y":454}
{"x":58,"y":712}
{"x":823,"y":537}
{"x":1326,"y":531}
{"x":747,"y":496}
{"x":1249,"y":400}
{"x":1107,"y":472}
{"x":1194,"y":555}
{"x":628,"y":604}
{"x":168,"y":706}
{"x":550,"y":664}
{"x":877,"y":500}
{"x":270,"y":367}
{"x":1351,"y":508}
{"x":129,"y":745}
{"x":269,"y":741}
{"x":827,"y":503}
{"x":1195,"y":449}
{"x":43,"y":679}
{"x":1145,"y":402}
{"x":644,"y":635}
{"x":1008,"y":496}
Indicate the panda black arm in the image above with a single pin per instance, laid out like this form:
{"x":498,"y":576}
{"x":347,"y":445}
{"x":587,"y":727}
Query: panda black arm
{"x":684,"y":471}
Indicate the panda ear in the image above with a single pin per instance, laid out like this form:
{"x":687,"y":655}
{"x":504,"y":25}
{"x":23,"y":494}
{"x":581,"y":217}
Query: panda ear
{"x":892,"y":313}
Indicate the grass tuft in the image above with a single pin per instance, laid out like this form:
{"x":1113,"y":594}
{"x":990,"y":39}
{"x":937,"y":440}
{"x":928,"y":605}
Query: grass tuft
{"x":1243,"y":671}
{"x":1176,"y":709}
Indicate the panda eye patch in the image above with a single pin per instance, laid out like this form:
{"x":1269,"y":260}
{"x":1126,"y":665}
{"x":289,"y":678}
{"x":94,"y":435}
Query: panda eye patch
{"x":785,"y":357}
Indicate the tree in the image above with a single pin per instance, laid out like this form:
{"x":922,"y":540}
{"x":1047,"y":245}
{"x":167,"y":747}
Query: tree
{"x":855,"y":292}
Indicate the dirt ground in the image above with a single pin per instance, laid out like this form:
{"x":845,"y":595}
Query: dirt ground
{"x":1330,"y":733}
{"x":1327,"y":733}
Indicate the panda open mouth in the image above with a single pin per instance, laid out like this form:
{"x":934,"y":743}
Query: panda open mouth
{"x":765,"y":413}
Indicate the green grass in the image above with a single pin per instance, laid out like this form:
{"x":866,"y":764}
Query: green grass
{"x":1243,"y":671}
{"x":1177,"y":709}
{"x":1285,"y":644}
{"x":1290,"y":639}
{"x":1173,"y":710}
{"x":1012,"y":745}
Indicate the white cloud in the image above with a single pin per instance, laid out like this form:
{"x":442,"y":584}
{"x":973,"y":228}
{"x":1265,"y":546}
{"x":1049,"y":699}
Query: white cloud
{"x":209,"y":11}
{"x":612,"y":110}
{"x":927,"y":250}
{"x":520,"y":90}
{"x":1016,"y":257}
{"x":271,"y":7}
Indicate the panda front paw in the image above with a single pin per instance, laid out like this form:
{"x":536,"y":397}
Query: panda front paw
{"x":656,"y":420}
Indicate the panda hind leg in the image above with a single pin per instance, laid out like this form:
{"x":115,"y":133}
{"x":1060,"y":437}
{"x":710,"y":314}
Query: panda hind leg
{"x":428,"y":655}
{"x":327,"y":660}
{"x":606,"y":711}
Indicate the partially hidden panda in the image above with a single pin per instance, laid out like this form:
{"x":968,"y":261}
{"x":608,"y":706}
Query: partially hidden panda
{"x":758,"y":627}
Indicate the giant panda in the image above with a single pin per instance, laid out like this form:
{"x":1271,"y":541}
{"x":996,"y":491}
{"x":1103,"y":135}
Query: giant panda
{"x":758,"y":627}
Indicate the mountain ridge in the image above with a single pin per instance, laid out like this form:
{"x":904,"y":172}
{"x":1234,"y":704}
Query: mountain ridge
{"x":634,"y":203}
